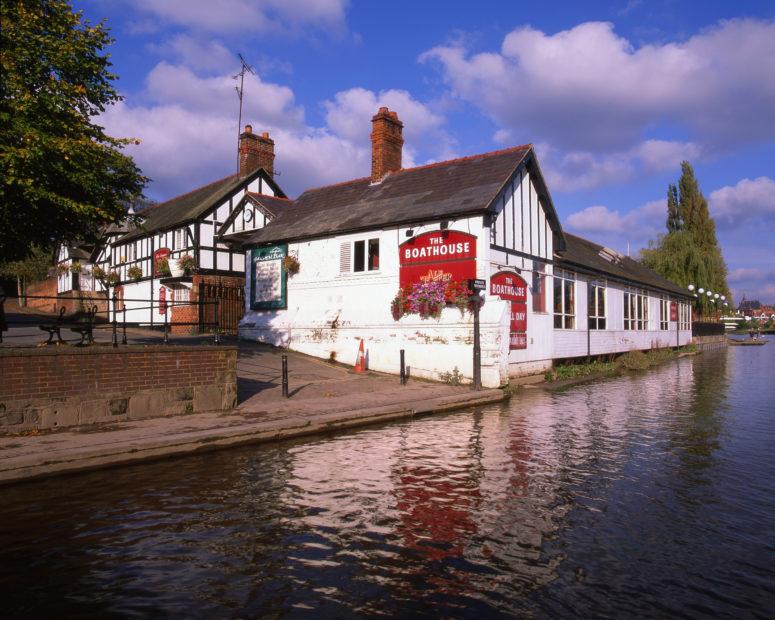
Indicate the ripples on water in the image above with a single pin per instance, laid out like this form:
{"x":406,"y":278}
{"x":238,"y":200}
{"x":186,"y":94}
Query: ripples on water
{"x":650,"y":495}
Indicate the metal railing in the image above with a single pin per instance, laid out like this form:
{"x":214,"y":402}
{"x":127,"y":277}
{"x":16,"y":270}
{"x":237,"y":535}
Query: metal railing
{"x":91,"y":313}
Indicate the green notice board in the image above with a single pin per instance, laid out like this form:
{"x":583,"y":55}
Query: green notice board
{"x":267,"y":277}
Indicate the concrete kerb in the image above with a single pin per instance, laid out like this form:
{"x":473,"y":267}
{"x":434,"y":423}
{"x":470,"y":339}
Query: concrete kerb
{"x":197,"y":442}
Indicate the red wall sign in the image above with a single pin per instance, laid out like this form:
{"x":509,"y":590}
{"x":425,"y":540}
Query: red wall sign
{"x":673,"y":311}
{"x":157,"y":256}
{"x":508,"y":285}
{"x":438,"y":255}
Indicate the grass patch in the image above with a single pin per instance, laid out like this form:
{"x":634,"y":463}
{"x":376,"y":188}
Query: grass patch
{"x":632,"y":360}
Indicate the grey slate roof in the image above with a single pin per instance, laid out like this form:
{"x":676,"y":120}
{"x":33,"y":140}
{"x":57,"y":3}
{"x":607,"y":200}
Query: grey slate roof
{"x":585,"y":254}
{"x":437,"y":191}
{"x":191,"y":205}
{"x":273,"y":205}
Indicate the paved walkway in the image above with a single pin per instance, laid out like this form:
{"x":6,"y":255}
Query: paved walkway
{"x":323,"y":397}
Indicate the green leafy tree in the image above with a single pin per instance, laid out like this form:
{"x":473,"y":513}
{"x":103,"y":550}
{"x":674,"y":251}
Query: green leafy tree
{"x":61,"y":175}
{"x":33,"y":268}
{"x":689,"y":252}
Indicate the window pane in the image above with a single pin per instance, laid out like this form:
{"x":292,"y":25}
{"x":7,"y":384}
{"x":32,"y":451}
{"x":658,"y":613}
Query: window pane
{"x":600,"y":301}
{"x":601,"y":323}
{"x":570,"y":299}
{"x":557,"y":294}
{"x":568,"y":321}
{"x":592,"y":323}
{"x":558,"y":321}
{"x":591,"y":301}
{"x":360,"y":255}
{"x":373,"y":254}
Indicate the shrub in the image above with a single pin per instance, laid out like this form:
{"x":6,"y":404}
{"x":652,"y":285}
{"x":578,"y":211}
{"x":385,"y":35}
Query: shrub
{"x":634,"y":360}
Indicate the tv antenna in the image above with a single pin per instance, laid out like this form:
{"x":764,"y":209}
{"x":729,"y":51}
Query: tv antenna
{"x":244,"y":68}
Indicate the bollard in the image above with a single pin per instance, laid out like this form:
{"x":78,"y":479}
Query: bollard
{"x":285,"y":376}
{"x":403,"y":368}
{"x":115,"y":333}
{"x":123,"y":339}
{"x":166,"y":337}
{"x":217,"y":321}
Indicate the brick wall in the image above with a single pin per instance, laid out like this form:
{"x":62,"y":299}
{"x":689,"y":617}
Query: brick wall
{"x":47,"y":287}
{"x":55,"y":388}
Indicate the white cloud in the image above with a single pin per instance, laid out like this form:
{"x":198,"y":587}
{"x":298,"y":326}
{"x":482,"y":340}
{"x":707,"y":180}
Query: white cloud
{"x":744,"y":274}
{"x":349,"y":114}
{"x":600,"y":101}
{"x":197,"y":52}
{"x":226,"y":16}
{"x":747,"y":200}
{"x":188,"y":130}
{"x":624,"y":231}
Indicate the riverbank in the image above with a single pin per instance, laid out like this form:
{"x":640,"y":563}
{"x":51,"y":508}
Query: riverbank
{"x":324,"y":398}
{"x":577,"y":372}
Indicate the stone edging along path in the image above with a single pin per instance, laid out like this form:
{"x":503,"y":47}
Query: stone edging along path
{"x":30,"y":458}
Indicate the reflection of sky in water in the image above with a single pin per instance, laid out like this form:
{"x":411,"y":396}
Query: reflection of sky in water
{"x":650,"y":494}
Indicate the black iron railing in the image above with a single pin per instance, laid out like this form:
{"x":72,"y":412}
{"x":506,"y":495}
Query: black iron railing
{"x":87,"y":314}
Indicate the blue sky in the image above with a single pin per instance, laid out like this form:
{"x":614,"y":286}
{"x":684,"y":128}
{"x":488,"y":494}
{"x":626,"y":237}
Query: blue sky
{"x":613,"y":94}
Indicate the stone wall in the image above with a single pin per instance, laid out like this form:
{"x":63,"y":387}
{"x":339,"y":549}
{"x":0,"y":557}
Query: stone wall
{"x":61,"y":387}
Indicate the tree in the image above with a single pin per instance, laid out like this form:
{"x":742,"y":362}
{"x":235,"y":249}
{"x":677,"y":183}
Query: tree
{"x":689,"y":252}
{"x":34,"y":268}
{"x":62,"y":175}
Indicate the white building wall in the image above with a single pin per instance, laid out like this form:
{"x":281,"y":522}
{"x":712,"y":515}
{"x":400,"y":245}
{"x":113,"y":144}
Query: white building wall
{"x":329,"y":313}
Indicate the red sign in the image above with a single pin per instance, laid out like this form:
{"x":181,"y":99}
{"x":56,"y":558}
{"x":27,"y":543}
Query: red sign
{"x":508,"y":285}
{"x":163,"y":300}
{"x":157,"y":256}
{"x":673,"y":311}
{"x":439,"y":255}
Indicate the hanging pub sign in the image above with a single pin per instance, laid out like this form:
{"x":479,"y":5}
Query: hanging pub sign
{"x":673,"y":311}
{"x":511,"y":287}
{"x":161,"y":253}
{"x":440,"y":255}
{"x":267,"y":277}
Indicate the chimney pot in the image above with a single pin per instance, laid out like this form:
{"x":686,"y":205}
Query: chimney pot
{"x":386,"y":143}
{"x":248,"y":128}
{"x":265,"y":134}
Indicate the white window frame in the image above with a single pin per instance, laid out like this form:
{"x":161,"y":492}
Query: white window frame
{"x":567,"y":285}
{"x":635,"y":310}
{"x":664,"y":313}
{"x":347,"y":251}
{"x":597,"y":316}
{"x":684,"y":317}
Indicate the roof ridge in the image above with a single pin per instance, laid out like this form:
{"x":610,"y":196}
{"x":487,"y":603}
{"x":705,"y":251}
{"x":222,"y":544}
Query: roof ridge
{"x":256,"y":194}
{"x":196,"y":189}
{"x":455,"y":160}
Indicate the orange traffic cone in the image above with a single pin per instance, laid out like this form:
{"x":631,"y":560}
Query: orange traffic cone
{"x":360,"y":360}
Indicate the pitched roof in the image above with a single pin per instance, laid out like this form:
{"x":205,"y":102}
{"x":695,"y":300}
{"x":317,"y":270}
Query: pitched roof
{"x":272,"y":204}
{"x":437,"y":191}
{"x":191,"y":205}
{"x":580,"y":252}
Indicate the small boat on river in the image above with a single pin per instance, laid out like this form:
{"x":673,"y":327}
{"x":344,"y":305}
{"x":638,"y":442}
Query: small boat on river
{"x":748,"y":343}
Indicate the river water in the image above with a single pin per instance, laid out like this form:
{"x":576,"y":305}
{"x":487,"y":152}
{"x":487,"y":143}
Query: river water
{"x":648,"y":495}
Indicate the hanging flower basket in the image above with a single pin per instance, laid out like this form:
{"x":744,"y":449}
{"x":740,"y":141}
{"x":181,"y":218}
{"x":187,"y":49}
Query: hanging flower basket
{"x":163,"y":267}
{"x":428,"y":299}
{"x":187,"y":263}
{"x":99,"y":274}
{"x":63,"y":269}
{"x":291,"y":264}
{"x":112,"y":279}
{"x":75,"y":268}
{"x":134,"y":273}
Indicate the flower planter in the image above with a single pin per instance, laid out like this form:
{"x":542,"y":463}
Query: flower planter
{"x":176,"y":271}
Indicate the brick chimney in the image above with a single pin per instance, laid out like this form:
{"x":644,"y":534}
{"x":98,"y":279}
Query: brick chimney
{"x":255,"y":152}
{"x":386,"y":144}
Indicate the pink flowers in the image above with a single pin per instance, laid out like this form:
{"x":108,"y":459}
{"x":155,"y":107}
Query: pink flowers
{"x":429,"y":298}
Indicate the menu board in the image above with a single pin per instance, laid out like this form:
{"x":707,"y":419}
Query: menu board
{"x":267,"y":277}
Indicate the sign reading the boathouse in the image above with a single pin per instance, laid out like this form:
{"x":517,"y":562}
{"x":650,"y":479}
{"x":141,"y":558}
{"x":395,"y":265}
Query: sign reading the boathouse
{"x":511,"y":287}
{"x":440,"y":255}
{"x":267,"y":277}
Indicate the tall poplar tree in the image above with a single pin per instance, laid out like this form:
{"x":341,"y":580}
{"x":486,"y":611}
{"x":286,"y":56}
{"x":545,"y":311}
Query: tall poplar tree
{"x":61,"y":175}
{"x":689,"y":252}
